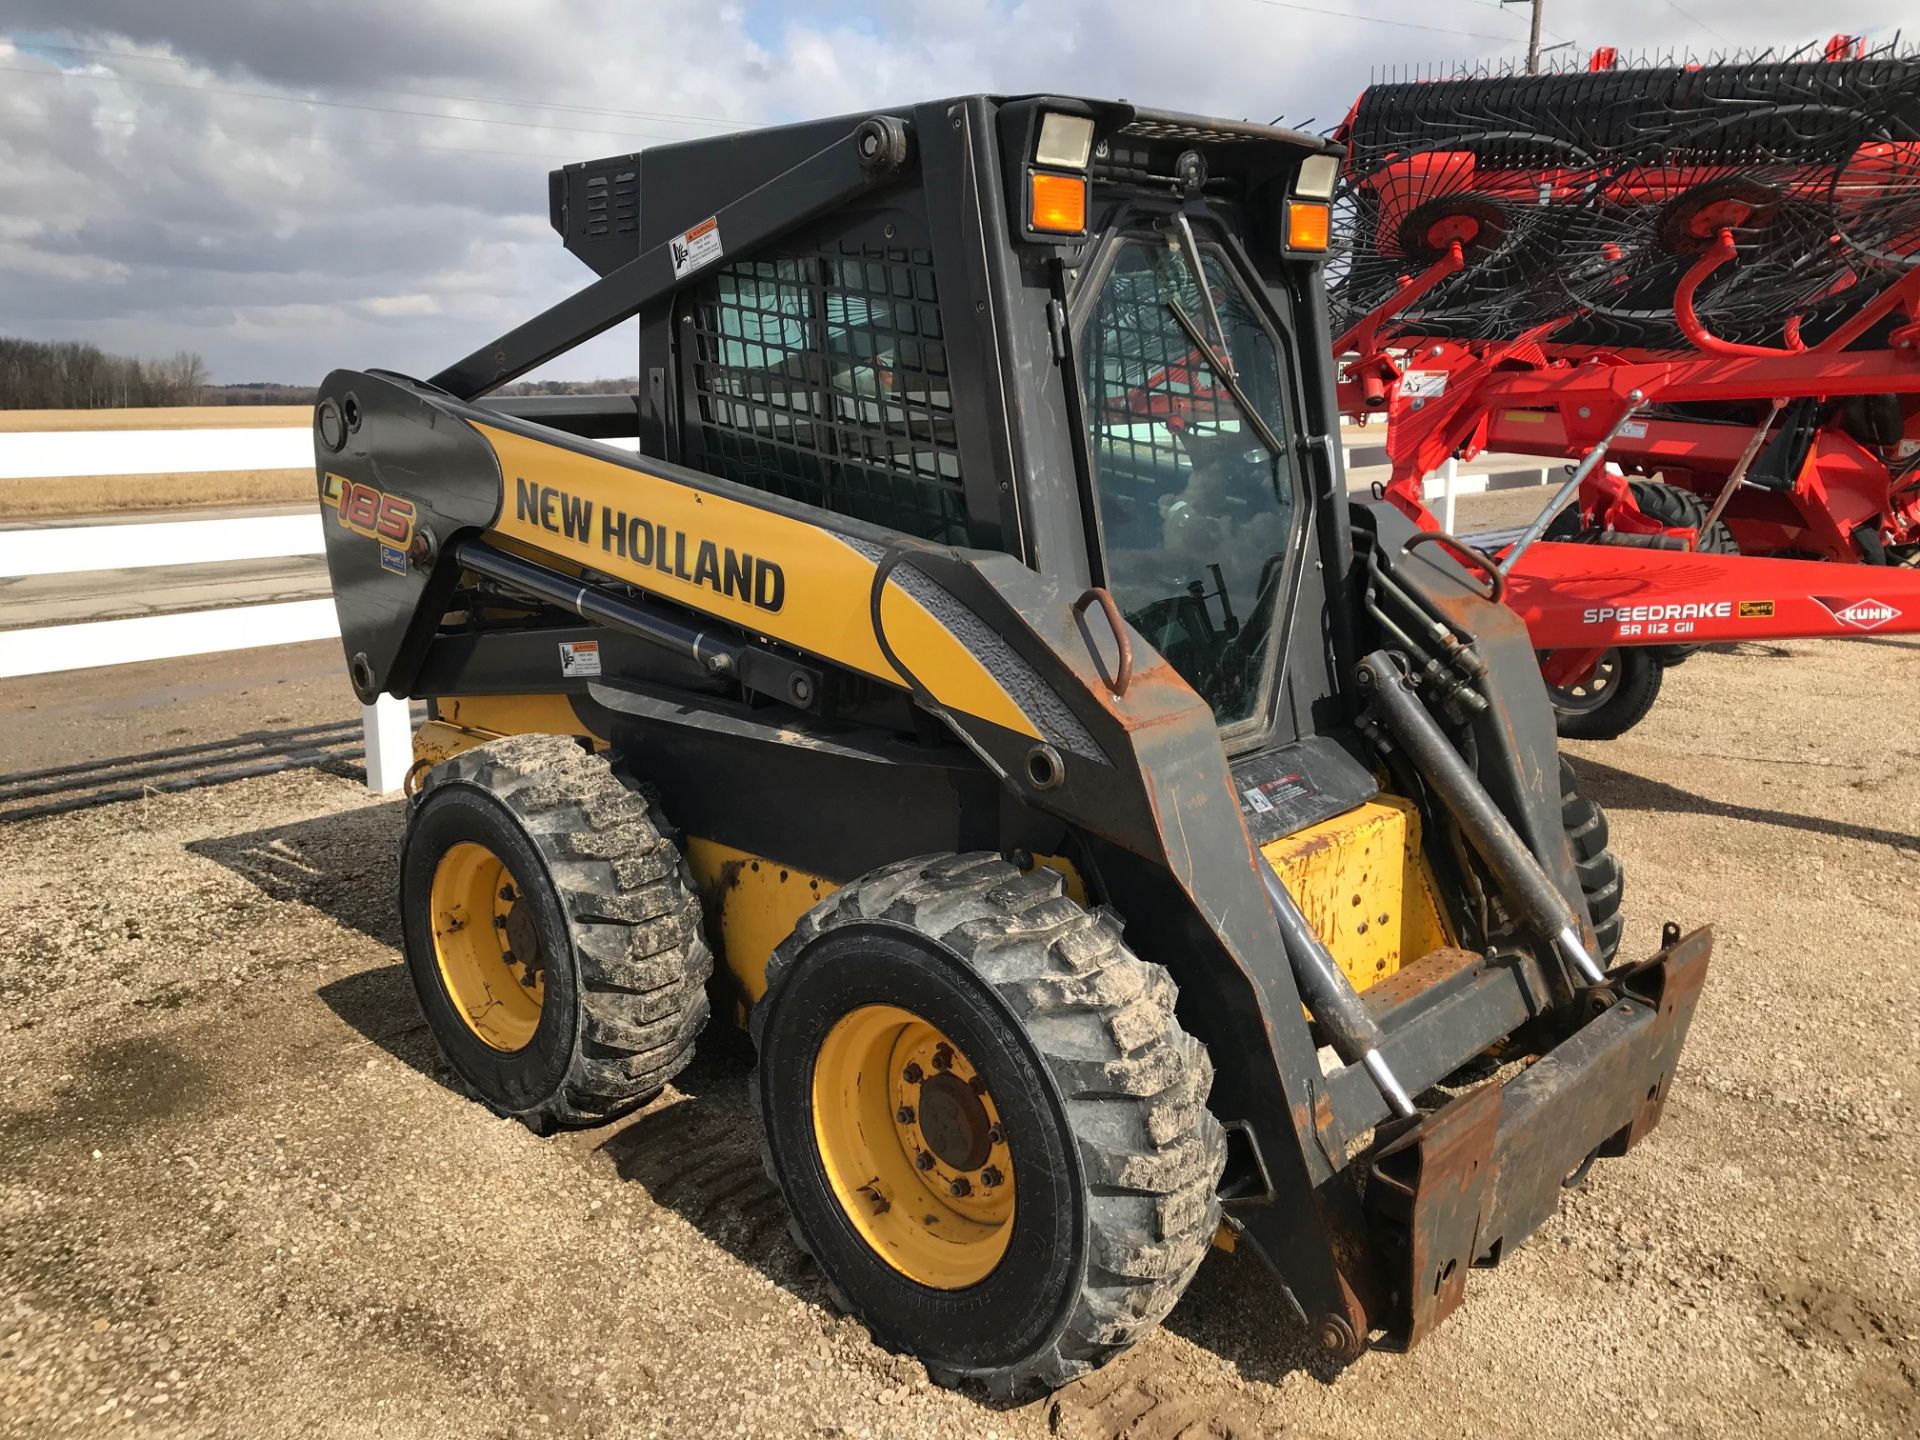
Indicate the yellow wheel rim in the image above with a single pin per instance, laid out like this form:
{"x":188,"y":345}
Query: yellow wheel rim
{"x":486,"y":946}
{"x":913,"y":1147}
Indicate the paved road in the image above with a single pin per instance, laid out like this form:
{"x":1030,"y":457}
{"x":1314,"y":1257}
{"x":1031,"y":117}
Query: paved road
{"x":36,"y":600}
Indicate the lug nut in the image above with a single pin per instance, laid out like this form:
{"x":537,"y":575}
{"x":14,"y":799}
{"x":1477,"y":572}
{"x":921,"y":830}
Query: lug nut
{"x":996,"y":1136}
{"x":991,"y":1177}
{"x":904,"y":1114}
{"x":923,"y":1161}
{"x":960,"y":1188}
{"x":978,"y":1084}
{"x":912,"y":1075}
{"x":506,"y":892}
{"x":943,"y":1058}
{"x":499,"y":922}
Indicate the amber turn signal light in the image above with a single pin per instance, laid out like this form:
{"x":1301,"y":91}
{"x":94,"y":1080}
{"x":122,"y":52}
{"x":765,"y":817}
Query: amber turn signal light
{"x":1057,"y":203}
{"x":1308,"y":225}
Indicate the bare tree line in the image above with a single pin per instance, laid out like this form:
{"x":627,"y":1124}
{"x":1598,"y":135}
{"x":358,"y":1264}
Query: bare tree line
{"x":77,"y":375}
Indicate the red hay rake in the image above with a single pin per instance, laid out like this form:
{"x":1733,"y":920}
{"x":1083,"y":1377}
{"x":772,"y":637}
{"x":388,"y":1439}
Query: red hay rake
{"x":1706,"y":274}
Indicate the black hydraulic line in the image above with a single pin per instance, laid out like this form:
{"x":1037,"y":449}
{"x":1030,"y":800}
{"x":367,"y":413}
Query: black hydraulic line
{"x":1492,"y":836}
{"x":1354,"y":1034}
{"x":870,"y":154}
{"x":717,"y":654}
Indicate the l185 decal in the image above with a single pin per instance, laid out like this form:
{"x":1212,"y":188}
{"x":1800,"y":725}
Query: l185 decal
{"x":370,"y":512}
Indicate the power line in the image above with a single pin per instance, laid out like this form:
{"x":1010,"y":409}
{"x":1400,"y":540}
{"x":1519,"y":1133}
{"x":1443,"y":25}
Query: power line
{"x":1675,"y":6}
{"x":280,"y":135}
{"x":1381,"y":20}
{"x":1496,"y":5}
{"x":332,"y":104}
{"x":1533,"y":31}
{"x":669,"y":116}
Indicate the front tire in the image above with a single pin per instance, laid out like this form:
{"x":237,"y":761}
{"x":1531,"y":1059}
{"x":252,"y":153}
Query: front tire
{"x":1602,"y":877}
{"x":1025,"y":1235}
{"x":551,"y":931}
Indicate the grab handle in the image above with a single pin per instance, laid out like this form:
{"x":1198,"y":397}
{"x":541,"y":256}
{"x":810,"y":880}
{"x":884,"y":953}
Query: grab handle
{"x":1470,"y":556}
{"x":1124,"y":676}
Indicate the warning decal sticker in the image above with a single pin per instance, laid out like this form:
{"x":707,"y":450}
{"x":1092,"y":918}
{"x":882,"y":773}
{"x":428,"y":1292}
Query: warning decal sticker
{"x":699,"y":246}
{"x":1261,"y":798}
{"x":579,"y":657}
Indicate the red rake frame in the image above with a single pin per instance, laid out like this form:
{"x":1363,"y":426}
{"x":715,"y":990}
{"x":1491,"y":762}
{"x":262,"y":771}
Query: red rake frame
{"x":1653,"y":191}
{"x":1581,"y":600}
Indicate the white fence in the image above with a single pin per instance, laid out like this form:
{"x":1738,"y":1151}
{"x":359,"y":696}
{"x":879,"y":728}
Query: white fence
{"x":42,"y":550}
{"x":52,"y":454}
{"x":46,"y":550}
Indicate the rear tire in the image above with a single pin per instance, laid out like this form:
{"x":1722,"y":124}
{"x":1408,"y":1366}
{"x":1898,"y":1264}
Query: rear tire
{"x":1673,"y":506}
{"x":1615,"y":698}
{"x":1679,"y":508}
{"x":579,"y":994}
{"x":1602,"y":878}
{"x":1097,"y":1096}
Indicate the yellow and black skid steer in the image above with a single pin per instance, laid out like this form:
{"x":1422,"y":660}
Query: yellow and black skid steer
{"x":1114,"y":840}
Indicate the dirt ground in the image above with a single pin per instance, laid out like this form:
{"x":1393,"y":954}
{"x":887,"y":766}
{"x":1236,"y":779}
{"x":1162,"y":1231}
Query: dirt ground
{"x":96,"y":494}
{"x":238,"y":1196}
{"x":158,"y":417}
{"x":129,"y":495}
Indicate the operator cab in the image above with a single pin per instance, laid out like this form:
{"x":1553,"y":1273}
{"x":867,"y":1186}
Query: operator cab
{"x":1086,"y":334}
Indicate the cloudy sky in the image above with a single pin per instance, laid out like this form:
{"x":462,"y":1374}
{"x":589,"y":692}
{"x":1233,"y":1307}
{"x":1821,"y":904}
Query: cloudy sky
{"x":289,"y":185}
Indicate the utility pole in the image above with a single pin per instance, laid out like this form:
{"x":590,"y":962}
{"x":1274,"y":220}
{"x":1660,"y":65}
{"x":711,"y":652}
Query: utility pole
{"x":1533,"y":34}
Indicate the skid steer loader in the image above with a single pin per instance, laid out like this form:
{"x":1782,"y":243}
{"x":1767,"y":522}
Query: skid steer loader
{"x":1114,"y":841}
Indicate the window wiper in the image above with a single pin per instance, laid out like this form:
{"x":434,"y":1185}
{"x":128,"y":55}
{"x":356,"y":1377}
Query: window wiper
{"x":1190,"y":249}
{"x":1255,"y":420}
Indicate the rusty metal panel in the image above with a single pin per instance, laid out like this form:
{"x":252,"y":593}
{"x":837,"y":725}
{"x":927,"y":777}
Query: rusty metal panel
{"x":1591,"y":1092}
{"x":1362,"y":883}
{"x":1671,"y":984}
{"x":1473,"y":1179}
{"x":1431,"y":1181}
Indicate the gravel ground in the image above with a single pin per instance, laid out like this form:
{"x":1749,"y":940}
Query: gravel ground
{"x":238,"y":1197}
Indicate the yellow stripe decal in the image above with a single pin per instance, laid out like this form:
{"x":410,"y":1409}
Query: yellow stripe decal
{"x":770,"y":573}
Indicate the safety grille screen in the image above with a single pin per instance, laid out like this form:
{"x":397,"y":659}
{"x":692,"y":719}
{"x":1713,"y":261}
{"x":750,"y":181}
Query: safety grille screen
{"x":823,"y":378}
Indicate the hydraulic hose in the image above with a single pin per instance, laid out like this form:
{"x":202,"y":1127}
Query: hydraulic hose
{"x":1521,"y":876}
{"x":719,"y":655}
{"x":1354,"y":1034}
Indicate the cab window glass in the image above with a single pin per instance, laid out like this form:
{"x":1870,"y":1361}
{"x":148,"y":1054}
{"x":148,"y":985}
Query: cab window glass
{"x":1196,"y":512}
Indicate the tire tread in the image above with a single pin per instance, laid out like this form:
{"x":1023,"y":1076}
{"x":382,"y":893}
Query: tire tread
{"x":1102,"y":1021}
{"x":1602,"y":877}
{"x":632,"y":915}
